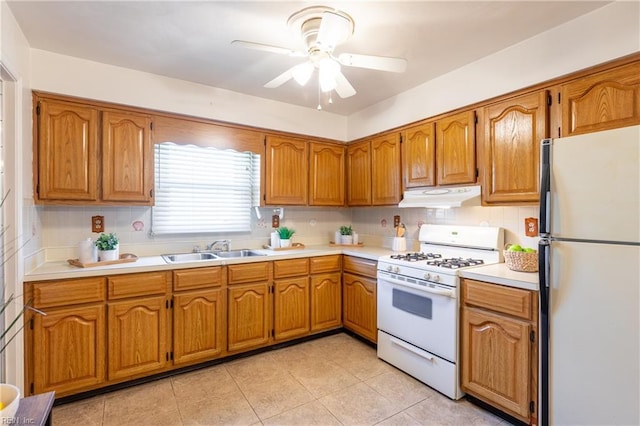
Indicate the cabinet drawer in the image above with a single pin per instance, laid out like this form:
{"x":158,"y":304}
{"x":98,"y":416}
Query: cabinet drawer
{"x":360,"y":266}
{"x":507,"y":300}
{"x":322,"y":264}
{"x":187,"y":279}
{"x":132,"y":285}
{"x":290,"y":268}
{"x":69,"y":292}
{"x":248,"y":272}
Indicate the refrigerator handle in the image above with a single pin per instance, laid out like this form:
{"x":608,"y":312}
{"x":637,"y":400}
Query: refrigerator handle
{"x":544,"y":248}
{"x":545,"y":185}
{"x":543,"y":273}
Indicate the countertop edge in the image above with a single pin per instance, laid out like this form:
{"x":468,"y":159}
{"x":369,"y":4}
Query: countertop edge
{"x":500,"y":274}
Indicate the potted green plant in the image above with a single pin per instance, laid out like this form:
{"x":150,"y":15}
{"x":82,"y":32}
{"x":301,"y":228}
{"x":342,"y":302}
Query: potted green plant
{"x":285,"y":235}
{"x":346,"y":235}
{"x":108,"y":247}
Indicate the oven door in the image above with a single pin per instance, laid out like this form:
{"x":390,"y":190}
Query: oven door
{"x":423,"y":315}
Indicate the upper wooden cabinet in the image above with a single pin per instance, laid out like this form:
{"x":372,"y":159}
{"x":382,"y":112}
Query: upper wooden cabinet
{"x":509,"y":141}
{"x":326,"y":174}
{"x":601,"y":101}
{"x":456,"y":149}
{"x":373,"y":171}
{"x":419,"y":156}
{"x":286,"y":171}
{"x":68,"y":147}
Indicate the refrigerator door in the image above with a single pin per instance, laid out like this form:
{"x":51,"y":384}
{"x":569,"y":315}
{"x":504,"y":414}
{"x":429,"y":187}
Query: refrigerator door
{"x":595,"y":186}
{"x":594,"y":347}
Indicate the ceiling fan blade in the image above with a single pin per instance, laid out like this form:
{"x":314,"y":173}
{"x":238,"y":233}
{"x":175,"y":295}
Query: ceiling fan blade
{"x":381,"y":63}
{"x":334,"y":29}
{"x":267,"y":48}
{"x":281,"y":79}
{"x":344,"y":89}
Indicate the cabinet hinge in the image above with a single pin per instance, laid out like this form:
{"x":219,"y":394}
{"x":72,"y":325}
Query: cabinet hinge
{"x":477,"y":172}
{"x":151,"y":193}
{"x":265,"y":141}
{"x":151,"y":125}
{"x":166,"y":304}
{"x":532,"y":336}
{"x":475,"y":117}
{"x":38,"y":110}
{"x":171,"y":355}
{"x":401,"y":138}
{"x":559,"y":99}
{"x":31,"y":323}
{"x":264,"y":197}
{"x":273,"y":333}
{"x":31,"y":388}
{"x":549,"y":100}
{"x":171,"y":304}
{"x":166,"y":356}
{"x":531,"y":407}
{"x":558,"y":131}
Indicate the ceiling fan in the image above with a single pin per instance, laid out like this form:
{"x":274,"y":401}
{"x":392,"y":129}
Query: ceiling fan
{"x":322,"y":29}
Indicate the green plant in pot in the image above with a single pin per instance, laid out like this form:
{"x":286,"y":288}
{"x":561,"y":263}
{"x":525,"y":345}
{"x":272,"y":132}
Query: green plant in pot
{"x":108,"y":247}
{"x":346,"y":234}
{"x":285,"y":235}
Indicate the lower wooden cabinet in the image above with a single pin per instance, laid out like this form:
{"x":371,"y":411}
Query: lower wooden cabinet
{"x":499,"y":347}
{"x":359,"y":304}
{"x":291,"y":308}
{"x":248,"y":322}
{"x":326,"y":301}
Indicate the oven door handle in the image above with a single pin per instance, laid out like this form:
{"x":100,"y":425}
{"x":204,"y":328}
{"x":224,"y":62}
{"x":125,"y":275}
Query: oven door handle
{"x":439,"y":291}
{"x":408,"y":347}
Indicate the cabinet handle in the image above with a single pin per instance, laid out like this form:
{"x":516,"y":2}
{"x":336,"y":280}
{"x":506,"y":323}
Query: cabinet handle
{"x":409,"y":348}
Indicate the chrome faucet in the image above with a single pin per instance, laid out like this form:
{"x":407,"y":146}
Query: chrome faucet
{"x":215,"y":246}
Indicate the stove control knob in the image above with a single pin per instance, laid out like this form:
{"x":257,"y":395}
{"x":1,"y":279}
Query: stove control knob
{"x":397,"y":270}
{"x":427,"y":276}
{"x":389,"y":268}
{"x":436,"y":278}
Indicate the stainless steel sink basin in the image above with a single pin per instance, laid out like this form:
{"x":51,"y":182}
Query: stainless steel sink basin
{"x":238,"y":253}
{"x":188,"y":257}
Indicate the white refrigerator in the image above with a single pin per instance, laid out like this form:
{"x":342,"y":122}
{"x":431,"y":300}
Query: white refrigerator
{"x":589,"y":266}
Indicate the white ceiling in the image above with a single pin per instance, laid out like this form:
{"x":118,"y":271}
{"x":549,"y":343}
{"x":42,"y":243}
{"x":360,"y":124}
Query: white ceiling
{"x":190,"y":40}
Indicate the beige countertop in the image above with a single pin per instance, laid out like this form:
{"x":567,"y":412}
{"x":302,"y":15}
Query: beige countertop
{"x":63,"y":270}
{"x":499,"y":274}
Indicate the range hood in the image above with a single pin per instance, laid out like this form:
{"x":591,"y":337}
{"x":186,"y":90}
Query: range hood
{"x":442,"y":198}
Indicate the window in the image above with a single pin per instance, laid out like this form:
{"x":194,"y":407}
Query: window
{"x":204,"y":189}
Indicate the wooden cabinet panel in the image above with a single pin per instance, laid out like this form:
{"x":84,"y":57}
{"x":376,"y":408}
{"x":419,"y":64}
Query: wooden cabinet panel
{"x":326,"y":175}
{"x":249,"y":309}
{"x":248,"y":272}
{"x":359,"y":309}
{"x":326,"y":301}
{"x":198,"y":326}
{"x":385,"y":170}
{"x":322,"y":264}
{"x":287,"y":162}
{"x":507,"y":300}
{"x":290,"y":267}
{"x":190,"y":279}
{"x":67,"y":151}
{"x":127,"y":157}
{"x":143,"y":284}
{"x":291,"y":308}
{"x":601,"y":101}
{"x":456,"y":149}
{"x":359,"y":174}
{"x":48,"y":294}
{"x":70,"y":354}
{"x":419,"y":156}
{"x":511,"y":139}
{"x":496,"y":359}
{"x":137,"y":336}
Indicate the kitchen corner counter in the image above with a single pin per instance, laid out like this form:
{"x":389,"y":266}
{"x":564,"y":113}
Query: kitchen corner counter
{"x":499,"y":273}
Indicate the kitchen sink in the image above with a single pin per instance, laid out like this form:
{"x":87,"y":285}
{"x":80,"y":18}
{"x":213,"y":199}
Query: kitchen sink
{"x":238,"y":253}
{"x":188,"y":257}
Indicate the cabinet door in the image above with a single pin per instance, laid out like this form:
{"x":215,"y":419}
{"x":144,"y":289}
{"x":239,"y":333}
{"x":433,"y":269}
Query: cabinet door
{"x":359,"y":309}
{"x":69,"y":349}
{"x":385,"y":170}
{"x":198,"y":325}
{"x":456,"y":149}
{"x":248,"y":318}
{"x":326,"y":301}
{"x":496,"y":360}
{"x":359,"y":174}
{"x":511,"y":139}
{"x":67,"y":151}
{"x":286,"y":171}
{"x":127,"y":157}
{"x":419,"y":156}
{"x":291,"y":308}
{"x":137,"y":336}
{"x":602,"y":101}
{"x":326,"y":175}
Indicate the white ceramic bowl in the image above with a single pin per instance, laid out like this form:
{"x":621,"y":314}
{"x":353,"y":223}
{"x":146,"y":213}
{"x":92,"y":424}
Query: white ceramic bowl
{"x":10,"y":397}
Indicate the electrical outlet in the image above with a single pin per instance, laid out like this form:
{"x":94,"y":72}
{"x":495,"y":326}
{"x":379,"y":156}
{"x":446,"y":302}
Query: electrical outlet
{"x":97,"y":223}
{"x":275,"y":221}
{"x":396,"y":221}
{"x":531,"y":227}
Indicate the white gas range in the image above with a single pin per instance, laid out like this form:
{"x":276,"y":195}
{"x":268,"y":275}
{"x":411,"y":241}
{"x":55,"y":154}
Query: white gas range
{"x":418,"y":301}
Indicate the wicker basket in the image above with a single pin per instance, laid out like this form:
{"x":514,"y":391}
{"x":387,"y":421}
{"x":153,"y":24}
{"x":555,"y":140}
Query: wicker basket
{"x":521,"y":261}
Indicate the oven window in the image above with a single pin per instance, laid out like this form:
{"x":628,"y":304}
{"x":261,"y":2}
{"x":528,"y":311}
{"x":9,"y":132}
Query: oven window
{"x":412,"y":303}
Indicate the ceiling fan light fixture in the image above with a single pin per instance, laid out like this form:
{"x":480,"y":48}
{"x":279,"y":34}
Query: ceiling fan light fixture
{"x":328,"y":71}
{"x":302,"y":73}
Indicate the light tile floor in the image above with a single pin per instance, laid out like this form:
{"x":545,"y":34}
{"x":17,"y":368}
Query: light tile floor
{"x":335,"y":380}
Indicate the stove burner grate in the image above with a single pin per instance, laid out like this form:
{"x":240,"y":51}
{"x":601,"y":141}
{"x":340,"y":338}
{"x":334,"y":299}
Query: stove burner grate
{"x":416,"y":256}
{"x":455,"y":262}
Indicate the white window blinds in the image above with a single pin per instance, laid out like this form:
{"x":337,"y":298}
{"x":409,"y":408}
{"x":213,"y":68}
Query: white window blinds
{"x":204,"y":189}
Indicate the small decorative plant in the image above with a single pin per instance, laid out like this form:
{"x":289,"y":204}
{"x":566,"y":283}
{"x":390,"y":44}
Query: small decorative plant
{"x":346,"y":230}
{"x":107,"y":242}
{"x":285,"y":233}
